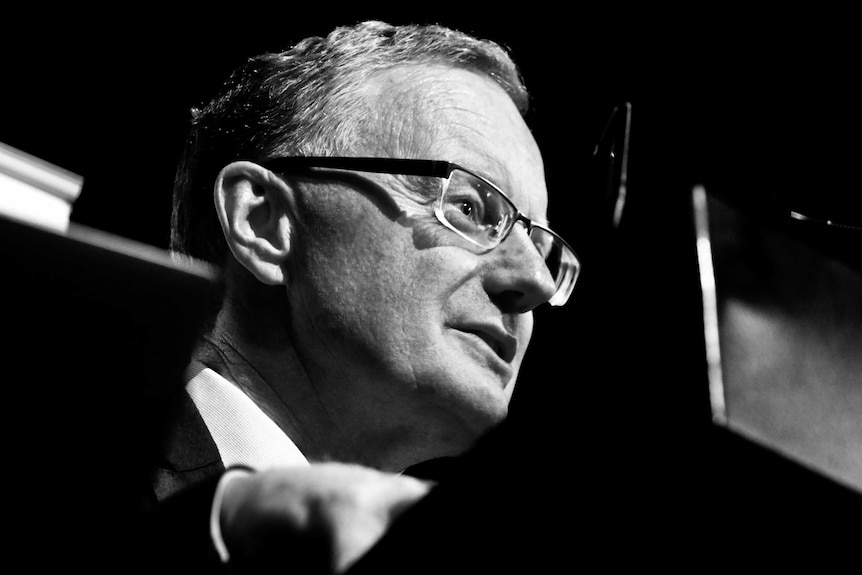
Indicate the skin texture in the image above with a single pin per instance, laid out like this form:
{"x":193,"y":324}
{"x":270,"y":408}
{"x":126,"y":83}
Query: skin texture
{"x":328,"y":516}
{"x":394,"y":302}
{"x":371,"y":334}
{"x":387,"y":354}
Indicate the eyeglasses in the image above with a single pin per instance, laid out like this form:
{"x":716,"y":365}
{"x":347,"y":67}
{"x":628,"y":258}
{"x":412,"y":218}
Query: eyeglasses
{"x":468,"y":204}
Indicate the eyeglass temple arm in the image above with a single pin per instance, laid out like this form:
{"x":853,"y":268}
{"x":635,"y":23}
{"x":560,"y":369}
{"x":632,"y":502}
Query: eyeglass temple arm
{"x":407,"y":167}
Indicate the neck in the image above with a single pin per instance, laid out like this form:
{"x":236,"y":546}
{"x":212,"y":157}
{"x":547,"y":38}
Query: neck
{"x":265,"y":368}
{"x":252,"y":346}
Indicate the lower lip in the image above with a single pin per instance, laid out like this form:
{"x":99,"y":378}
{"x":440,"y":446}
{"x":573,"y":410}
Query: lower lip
{"x":487,"y":355}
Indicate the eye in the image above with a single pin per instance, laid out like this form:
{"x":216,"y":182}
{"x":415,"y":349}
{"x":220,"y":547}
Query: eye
{"x":464,"y":207}
{"x":467,"y":208}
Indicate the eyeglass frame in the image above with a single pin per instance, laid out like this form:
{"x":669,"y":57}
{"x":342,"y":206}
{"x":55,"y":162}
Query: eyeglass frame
{"x":426,"y":168}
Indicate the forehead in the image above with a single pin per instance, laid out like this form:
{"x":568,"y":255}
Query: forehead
{"x":442,"y":113}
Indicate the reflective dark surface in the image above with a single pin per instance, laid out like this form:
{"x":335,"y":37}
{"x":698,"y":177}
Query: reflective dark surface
{"x":610,"y":425}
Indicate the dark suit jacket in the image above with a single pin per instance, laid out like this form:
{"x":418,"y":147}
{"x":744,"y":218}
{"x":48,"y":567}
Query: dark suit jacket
{"x":187,"y":454}
{"x":184,"y":475}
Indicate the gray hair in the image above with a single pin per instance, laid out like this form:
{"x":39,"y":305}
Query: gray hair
{"x":303,"y":102}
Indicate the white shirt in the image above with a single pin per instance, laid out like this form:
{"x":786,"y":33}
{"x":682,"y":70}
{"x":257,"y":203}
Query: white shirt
{"x":243,"y":434}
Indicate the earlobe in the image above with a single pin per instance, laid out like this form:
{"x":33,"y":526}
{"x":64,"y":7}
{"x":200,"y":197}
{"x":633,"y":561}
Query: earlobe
{"x":251,"y":203}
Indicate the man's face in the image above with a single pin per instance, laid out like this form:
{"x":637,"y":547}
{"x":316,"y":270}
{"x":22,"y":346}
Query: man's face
{"x":413,"y":336}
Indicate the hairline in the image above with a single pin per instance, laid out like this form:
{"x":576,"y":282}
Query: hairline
{"x":328,"y":119}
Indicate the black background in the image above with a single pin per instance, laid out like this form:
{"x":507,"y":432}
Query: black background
{"x":744,"y":100}
{"x":745,"y":103}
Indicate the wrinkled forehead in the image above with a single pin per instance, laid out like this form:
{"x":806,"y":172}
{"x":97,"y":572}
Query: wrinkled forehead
{"x":442,"y":113}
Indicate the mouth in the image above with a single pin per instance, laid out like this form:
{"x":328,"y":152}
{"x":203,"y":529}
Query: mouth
{"x":501,"y":343}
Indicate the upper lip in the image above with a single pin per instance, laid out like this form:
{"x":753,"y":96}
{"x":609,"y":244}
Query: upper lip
{"x":501,"y":341}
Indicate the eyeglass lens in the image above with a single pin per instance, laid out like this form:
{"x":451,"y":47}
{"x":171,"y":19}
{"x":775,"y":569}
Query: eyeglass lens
{"x":475,"y":209}
{"x":480,"y":212}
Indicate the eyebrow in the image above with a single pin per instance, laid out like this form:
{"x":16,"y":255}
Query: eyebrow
{"x":542,"y":219}
{"x":490,"y":168}
{"x":400,"y":166}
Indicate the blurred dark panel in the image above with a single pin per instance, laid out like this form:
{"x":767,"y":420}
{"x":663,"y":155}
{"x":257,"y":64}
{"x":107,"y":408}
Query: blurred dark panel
{"x":97,"y":331}
{"x":614,"y":383}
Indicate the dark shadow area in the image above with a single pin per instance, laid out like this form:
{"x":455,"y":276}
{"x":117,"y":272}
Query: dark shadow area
{"x":610,"y":454}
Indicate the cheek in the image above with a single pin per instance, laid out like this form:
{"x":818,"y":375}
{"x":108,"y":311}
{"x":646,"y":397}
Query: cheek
{"x":386,"y":284}
{"x":447,"y":277}
{"x":428,"y":233}
{"x":525,"y":333}
{"x":409,"y":297}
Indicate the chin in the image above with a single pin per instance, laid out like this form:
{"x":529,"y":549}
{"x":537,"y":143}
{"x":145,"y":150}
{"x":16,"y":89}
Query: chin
{"x":457,"y":408}
{"x":481,"y":415}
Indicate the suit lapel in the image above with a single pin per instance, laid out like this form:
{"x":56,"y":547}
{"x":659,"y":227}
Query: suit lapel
{"x":187,"y":455}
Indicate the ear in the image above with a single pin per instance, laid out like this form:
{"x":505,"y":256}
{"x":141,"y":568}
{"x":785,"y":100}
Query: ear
{"x":252,"y":206}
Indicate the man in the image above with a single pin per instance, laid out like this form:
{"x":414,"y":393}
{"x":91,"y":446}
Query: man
{"x":378,"y":205}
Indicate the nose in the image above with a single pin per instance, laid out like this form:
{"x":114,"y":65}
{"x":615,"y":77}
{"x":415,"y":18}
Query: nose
{"x":516,"y":276}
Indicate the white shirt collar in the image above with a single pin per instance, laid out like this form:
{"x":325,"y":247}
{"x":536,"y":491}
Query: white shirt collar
{"x":243,"y":433}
